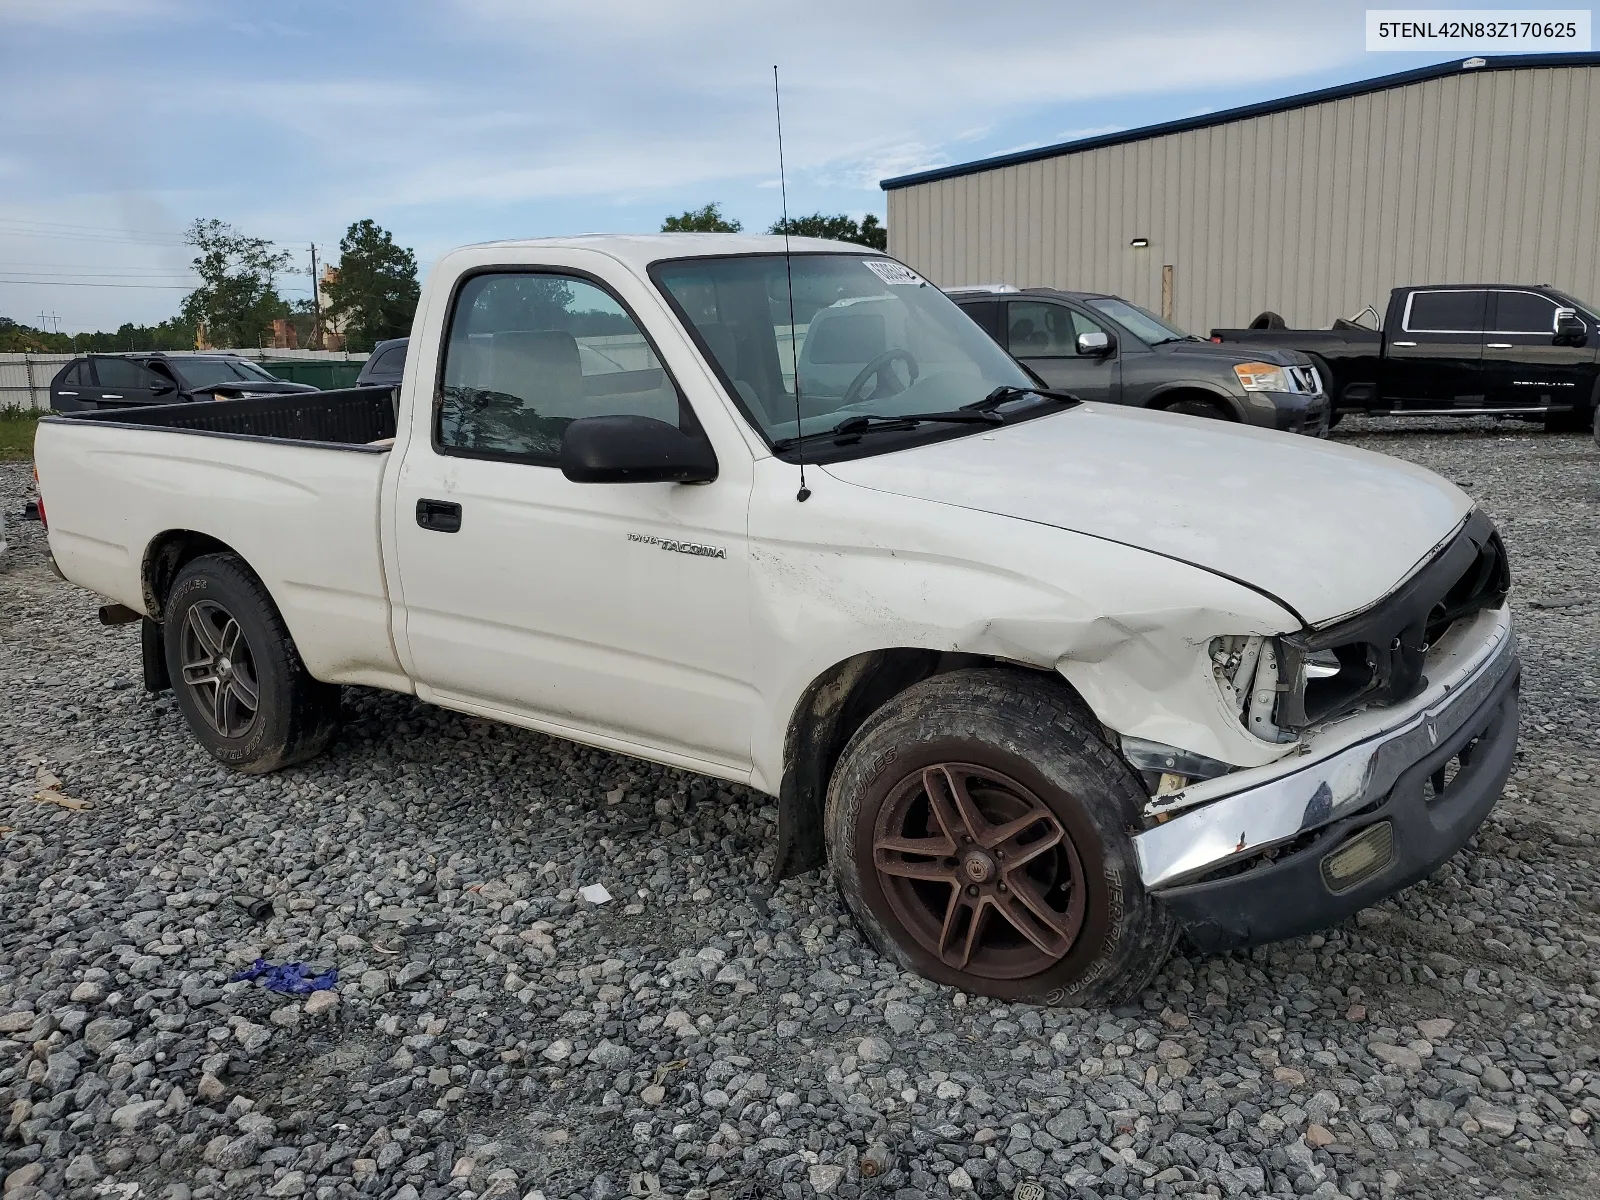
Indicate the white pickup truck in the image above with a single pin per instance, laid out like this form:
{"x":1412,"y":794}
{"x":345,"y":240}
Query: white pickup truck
{"x":1041,"y":681}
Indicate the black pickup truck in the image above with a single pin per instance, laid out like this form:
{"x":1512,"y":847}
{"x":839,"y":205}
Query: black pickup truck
{"x":1471,"y":349}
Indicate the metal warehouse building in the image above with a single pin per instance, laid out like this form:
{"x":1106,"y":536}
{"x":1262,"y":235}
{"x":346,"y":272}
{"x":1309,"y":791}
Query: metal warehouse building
{"x":1478,"y":170}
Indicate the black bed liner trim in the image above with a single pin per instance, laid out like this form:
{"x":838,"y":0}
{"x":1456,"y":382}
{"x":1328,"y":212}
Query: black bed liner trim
{"x":347,"y":419}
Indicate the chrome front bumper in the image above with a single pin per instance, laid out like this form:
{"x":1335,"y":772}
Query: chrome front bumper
{"x":1343,"y":767}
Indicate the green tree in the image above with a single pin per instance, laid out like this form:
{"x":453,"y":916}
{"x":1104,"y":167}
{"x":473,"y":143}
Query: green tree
{"x":840,"y":228}
{"x":172,"y":334}
{"x":375,"y":291}
{"x":708,"y":219}
{"x":237,"y":300}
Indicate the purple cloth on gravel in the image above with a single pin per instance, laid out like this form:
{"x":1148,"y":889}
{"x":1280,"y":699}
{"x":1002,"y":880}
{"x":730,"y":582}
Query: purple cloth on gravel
{"x":292,"y":978}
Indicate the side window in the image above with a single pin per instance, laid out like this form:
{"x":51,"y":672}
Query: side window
{"x":77,"y":375}
{"x":529,"y":353}
{"x":1523,"y":312}
{"x":121,"y":373}
{"x":985,"y":312}
{"x":1036,"y":330}
{"x":392,"y":359}
{"x":1445,"y":312}
{"x":1082,"y":325}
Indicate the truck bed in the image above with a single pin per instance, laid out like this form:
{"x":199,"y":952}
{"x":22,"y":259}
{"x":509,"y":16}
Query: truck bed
{"x":352,"y":418}
{"x":1343,"y":341}
{"x":289,"y":483}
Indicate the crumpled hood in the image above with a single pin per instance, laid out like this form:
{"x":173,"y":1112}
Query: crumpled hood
{"x":1321,"y":527}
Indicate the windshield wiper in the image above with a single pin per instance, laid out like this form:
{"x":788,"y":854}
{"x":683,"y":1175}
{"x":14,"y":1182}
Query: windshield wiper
{"x":1006,"y":393}
{"x":853,"y":427}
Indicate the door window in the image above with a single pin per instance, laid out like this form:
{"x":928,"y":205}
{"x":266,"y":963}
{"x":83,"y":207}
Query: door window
{"x":1035,"y":330}
{"x":77,"y":376}
{"x":1445,"y":312}
{"x":529,"y":353}
{"x":122,"y":373}
{"x":392,"y":359}
{"x":1524,"y":312}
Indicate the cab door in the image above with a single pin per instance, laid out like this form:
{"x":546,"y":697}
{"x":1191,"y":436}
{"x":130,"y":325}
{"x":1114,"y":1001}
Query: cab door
{"x":1043,"y":335}
{"x":1525,"y":363}
{"x":610,"y":612}
{"x":1435,"y":359}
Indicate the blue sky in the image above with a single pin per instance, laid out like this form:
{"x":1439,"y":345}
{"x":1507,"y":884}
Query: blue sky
{"x":457,"y":121}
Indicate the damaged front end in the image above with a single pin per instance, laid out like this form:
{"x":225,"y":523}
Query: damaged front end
{"x":1403,"y":719}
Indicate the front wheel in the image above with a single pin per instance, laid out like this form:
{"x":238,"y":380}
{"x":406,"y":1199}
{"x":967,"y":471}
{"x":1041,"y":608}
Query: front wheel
{"x":977,"y":827}
{"x":237,"y":676}
{"x":1198,"y":406}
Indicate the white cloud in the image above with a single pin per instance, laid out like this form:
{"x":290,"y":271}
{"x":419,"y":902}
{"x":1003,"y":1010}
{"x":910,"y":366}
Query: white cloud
{"x":461,"y":119}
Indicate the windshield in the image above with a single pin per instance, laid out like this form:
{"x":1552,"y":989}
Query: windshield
{"x":207,"y":372}
{"x":1146,"y":326}
{"x":872,"y":336}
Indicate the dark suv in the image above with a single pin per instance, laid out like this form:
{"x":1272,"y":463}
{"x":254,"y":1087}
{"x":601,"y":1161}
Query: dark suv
{"x":121,"y":380}
{"x":1104,"y":348}
{"x":385,"y":365}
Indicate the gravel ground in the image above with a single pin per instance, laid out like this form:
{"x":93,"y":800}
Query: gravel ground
{"x":708,"y":1034}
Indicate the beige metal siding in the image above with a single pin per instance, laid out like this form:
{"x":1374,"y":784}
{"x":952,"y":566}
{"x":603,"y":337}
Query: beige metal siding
{"x":1312,"y":213}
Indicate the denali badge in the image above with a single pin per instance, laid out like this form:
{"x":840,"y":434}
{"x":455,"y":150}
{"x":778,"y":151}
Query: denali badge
{"x":698,"y":549}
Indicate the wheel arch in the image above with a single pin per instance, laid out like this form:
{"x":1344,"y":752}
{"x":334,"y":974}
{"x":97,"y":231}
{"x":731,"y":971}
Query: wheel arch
{"x":166,"y":555}
{"x":830,"y":710}
{"x":1172,"y":393}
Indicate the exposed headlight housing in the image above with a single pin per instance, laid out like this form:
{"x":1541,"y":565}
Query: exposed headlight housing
{"x":1250,"y":675}
{"x":1261,"y":377}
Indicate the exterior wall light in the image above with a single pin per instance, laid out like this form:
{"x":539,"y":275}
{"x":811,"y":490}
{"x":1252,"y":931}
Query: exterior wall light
{"x":1139,"y":243}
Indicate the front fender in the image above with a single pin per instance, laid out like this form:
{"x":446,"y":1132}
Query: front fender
{"x":1161,"y":393}
{"x":1129,"y":629}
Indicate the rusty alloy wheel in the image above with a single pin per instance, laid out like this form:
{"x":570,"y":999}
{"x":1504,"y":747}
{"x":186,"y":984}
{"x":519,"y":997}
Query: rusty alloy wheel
{"x":979,"y":871}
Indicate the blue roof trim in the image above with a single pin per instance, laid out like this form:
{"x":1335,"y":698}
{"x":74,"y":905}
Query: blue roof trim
{"x":1362,"y":87}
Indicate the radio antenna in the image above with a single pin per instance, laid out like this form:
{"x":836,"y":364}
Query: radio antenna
{"x":804,"y":493}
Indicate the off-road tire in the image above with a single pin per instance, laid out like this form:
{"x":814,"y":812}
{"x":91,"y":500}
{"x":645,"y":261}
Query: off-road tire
{"x":297,"y":717}
{"x":1033,"y":729}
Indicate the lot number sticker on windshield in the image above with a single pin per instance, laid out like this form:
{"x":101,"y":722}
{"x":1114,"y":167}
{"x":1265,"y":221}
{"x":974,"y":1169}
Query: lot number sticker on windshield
{"x":893,"y":273}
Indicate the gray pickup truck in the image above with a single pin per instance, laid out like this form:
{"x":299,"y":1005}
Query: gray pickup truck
{"x":1102,"y":347}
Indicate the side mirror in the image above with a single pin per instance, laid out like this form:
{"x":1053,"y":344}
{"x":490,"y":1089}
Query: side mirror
{"x":1570,"y":329}
{"x":634,"y":450}
{"x":161,"y":389}
{"x":1096,"y":344}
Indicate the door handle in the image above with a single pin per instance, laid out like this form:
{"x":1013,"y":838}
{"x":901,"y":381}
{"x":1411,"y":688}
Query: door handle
{"x":1497,"y":345}
{"x":110,"y":396}
{"x":441,"y":516}
{"x":1402,"y":343}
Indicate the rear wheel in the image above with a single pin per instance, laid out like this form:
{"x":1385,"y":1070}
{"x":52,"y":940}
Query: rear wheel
{"x":236,"y":673}
{"x":1571,"y":420}
{"x":978,"y":829}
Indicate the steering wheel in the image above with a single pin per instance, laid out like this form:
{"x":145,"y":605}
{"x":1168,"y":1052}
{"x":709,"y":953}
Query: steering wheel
{"x":878,"y":368}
